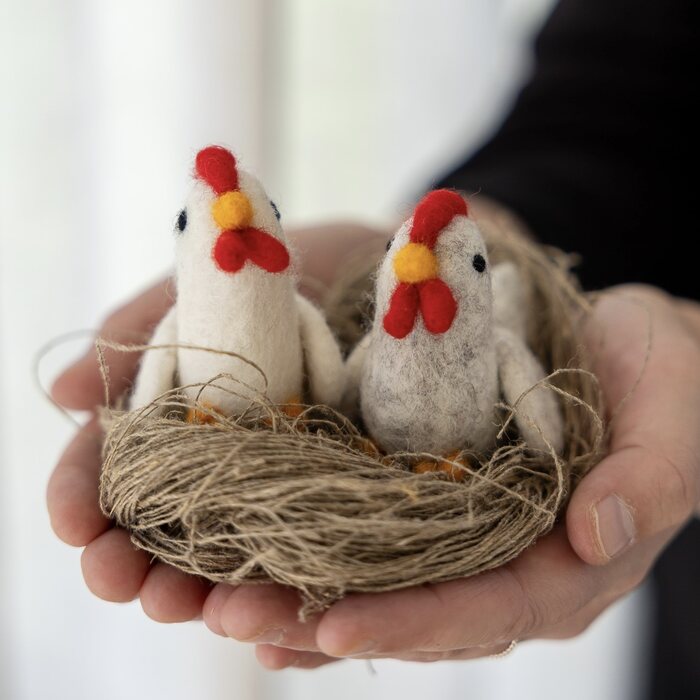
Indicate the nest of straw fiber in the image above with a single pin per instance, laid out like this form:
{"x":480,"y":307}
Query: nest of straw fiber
{"x":265,"y":497}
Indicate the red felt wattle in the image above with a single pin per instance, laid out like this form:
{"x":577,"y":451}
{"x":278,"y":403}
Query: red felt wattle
{"x":265,"y":250}
{"x":233,"y":248}
{"x":217,"y":167}
{"x":230,"y":251}
{"x":437,"y":305}
{"x":432,"y":298}
{"x":403,"y":309}
{"x":433,"y":213}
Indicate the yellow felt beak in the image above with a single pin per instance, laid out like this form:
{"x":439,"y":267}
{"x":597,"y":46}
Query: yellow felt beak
{"x":415,"y":263}
{"x":232,"y":210}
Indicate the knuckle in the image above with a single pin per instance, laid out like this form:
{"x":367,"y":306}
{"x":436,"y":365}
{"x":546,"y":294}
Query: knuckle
{"x":642,"y":291}
{"x":575,"y":628}
{"x":528,"y":616}
{"x":680,"y":486}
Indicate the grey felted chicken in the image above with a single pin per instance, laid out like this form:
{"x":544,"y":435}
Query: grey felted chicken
{"x":442,"y":351}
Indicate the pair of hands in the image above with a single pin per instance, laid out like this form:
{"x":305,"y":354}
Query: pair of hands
{"x":619,"y":519}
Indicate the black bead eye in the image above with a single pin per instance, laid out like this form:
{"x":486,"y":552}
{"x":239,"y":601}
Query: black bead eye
{"x":182,"y":220}
{"x":479,"y":263}
{"x":276,"y":210}
{"x":388,"y":244}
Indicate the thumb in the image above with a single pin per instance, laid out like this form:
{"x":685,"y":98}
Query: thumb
{"x":647,"y":487}
{"x":631,"y":496}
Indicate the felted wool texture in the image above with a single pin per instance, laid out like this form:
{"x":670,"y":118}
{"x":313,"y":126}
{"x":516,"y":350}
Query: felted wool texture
{"x":216,"y":166}
{"x":305,"y":502}
{"x":234,"y":248}
{"x":431,"y":299}
{"x":510,"y":302}
{"x":433,"y":213}
{"x":438,"y":306}
{"x":538,"y":415}
{"x":158,"y":366}
{"x":323,"y":362}
{"x":251,"y":312}
{"x":431,"y":392}
{"x":232,"y":210}
{"x":437,"y":393}
{"x":354,"y":369}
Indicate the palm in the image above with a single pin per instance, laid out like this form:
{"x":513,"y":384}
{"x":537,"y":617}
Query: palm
{"x":558,"y":587}
{"x":555,"y":589}
{"x":112,"y":567}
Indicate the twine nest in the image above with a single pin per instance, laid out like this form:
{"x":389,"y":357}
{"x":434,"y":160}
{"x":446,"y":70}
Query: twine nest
{"x":303,"y":501}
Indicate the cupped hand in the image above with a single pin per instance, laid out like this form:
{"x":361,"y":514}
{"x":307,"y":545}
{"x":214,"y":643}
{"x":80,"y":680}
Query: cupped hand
{"x":619,"y":519}
{"x":112,"y":567}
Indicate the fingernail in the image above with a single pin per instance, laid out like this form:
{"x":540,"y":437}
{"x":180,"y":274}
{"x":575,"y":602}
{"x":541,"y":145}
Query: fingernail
{"x":614,"y":525}
{"x":272,"y":635}
{"x":213,"y":606}
{"x":217,"y":598}
{"x":365,"y":647}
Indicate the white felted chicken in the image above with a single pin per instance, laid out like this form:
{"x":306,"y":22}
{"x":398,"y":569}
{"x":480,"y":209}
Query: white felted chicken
{"x":236,"y":293}
{"x":437,"y":360}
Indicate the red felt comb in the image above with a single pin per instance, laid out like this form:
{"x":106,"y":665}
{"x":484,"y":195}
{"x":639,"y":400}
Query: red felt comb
{"x":217,"y":167}
{"x":433,"y":213}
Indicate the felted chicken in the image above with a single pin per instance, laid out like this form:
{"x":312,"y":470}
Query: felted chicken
{"x":442,"y":351}
{"x":236,"y":293}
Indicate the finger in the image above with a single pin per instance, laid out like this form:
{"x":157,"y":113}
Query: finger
{"x":450,"y":655}
{"x":170,"y":595}
{"x":267,"y":614}
{"x":545,"y":585}
{"x":80,"y":386}
{"x":276,"y":658}
{"x":649,"y":483}
{"x":213,"y":606}
{"x":72,"y":493}
{"x":113,"y":568}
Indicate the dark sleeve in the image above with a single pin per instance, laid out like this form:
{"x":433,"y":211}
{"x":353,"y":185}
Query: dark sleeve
{"x":597,"y":155}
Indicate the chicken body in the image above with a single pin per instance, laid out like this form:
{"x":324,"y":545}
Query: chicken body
{"x":435,"y":392}
{"x":437,"y":361}
{"x":238,"y":330}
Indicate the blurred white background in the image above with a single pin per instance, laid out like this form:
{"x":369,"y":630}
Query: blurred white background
{"x":345,"y":109}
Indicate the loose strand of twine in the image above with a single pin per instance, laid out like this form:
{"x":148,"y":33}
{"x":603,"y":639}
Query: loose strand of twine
{"x":42,"y":353}
{"x":102,"y":343}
